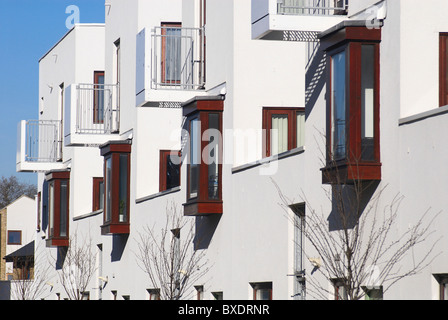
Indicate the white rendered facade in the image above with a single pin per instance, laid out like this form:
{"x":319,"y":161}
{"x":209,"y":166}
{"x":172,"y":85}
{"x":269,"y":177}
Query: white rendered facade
{"x":248,"y":68}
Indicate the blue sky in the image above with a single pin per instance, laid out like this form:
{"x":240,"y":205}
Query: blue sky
{"x":28,"y":29}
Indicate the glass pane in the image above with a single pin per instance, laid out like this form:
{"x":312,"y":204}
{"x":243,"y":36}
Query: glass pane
{"x":213,"y":164}
{"x":194,"y":158}
{"x":99,"y":99}
{"x":172,"y":54}
{"x":338,"y":106}
{"x":263,"y":294}
{"x":14,"y":237}
{"x":367,"y":101}
{"x":108,"y":189}
{"x":51,"y":207}
{"x":446,"y":69}
{"x":123,"y":188}
{"x":172,"y":173}
{"x":300,"y":129}
{"x":63,"y":209}
{"x":101,"y":195}
{"x":279,"y":133}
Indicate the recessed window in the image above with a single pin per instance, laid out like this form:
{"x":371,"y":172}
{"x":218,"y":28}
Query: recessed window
{"x":299,"y":232}
{"x":442,"y":280}
{"x":116,"y":187}
{"x":373,"y":293}
{"x":353,"y":131}
{"x":169,"y":170}
{"x":153,"y":294}
{"x":98,"y":194}
{"x":340,"y":293}
{"x":199,"y":292}
{"x":204,"y":165}
{"x":218,"y":295}
{"x":98,"y":97}
{"x":262,"y":290}
{"x":58,"y":207}
{"x":443,"y":69}
{"x":14,"y":237}
{"x":171,"y":53}
{"x":284,"y":129}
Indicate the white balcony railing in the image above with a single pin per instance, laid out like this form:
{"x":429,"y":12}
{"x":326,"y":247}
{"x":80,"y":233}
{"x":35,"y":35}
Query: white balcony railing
{"x":97,"y":109}
{"x":43,"y":141}
{"x":312,"y":7}
{"x":177,"y":58}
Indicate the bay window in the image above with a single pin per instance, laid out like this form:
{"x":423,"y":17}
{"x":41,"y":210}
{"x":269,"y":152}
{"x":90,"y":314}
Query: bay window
{"x":58,"y":207}
{"x":204,"y":167}
{"x":353,"y":144}
{"x":116,"y":187}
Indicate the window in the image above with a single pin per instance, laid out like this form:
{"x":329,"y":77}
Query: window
{"x":14,"y":237}
{"x":218,"y":295}
{"x":353,"y":131}
{"x":58,"y":207}
{"x":169,"y":170}
{"x":204,"y":165}
{"x":299,"y":231}
{"x":262,"y":290}
{"x":443,"y":67}
{"x":98,"y":194}
{"x":98,"y":97}
{"x":171,"y":53}
{"x":373,"y":293}
{"x":339,"y":289}
{"x":285,"y":129}
{"x":199,"y":292}
{"x":116,"y":186}
{"x":442,"y":280}
{"x":153,"y":294}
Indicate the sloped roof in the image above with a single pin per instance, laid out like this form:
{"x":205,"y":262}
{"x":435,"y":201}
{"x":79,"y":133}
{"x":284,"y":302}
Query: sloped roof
{"x":24,"y":252}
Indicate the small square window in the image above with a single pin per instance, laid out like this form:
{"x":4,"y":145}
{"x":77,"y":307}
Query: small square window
{"x":153,"y":294}
{"x":262,"y":290}
{"x":15,"y":237}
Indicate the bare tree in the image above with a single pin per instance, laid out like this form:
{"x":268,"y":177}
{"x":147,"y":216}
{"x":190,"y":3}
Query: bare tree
{"x":28,"y":284}
{"x":168,"y":255}
{"x":358,"y":245}
{"x":11,"y":189}
{"x":77,"y":267}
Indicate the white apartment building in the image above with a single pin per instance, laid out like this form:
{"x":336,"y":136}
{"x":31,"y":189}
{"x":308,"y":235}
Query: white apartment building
{"x":300,"y":96}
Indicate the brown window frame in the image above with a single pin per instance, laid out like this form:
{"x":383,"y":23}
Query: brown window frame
{"x":352,"y":167}
{"x":261,"y":286}
{"x":55,"y":180}
{"x":98,"y":89}
{"x":203,"y":204}
{"x":96,"y":197}
{"x":15,"y":231}
{"x":165,"y":26}
{"x":116,"y":151}
{"x":443,"y":69}
{"x":291,"y":112}
{"x":163,"y":169}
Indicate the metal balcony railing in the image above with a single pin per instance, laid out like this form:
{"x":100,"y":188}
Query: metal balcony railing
{"x":98,"y":110}
{"x":177,"y":58}
{"x":312,"y":7}
{"x":43,"y":141}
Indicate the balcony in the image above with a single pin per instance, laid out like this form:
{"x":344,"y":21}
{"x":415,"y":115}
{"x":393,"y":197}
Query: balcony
{"x":39,"y":146}
{"x":298,"y":20}
{"x":92,"y":114}
{"x":170,"y":65}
